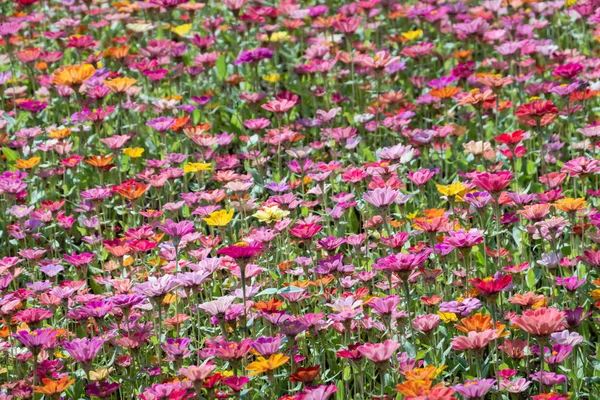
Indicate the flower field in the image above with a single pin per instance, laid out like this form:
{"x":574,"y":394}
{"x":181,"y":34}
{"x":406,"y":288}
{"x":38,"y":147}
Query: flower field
{"x":299,"y":200}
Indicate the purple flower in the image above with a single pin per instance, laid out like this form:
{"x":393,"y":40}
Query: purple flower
{"x":177,"y":348}
{"x":267,"y":345}
{"x":381,"y":197}
{"x":474,"y":389}
{"x":549,"y":378}
{"x":84,"y":350}
{"x":161,"y":124}
{"x":177,"y":229}
{"x":464,"y":307}
{"x":254,"y":56}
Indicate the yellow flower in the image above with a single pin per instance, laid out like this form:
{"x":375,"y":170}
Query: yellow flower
{"x":196,"y":167}
{"x":59,"y":354}
{"x":595,"y":294}
{"x":272,"y":78}
{"x":27,"y":164}
{"x":135,"y":152}
{"x":182,"y":30}
{"x":569,"y":204}
{"x":139,"y":28}
{"x":219,"y":218}
{"x":169,"y":299}
{"x":270,"y":214}
{"x":539,"y":304}
{"x":279,"y":37}
{"x":447,"y":317}
{"x":412,"y":35}
{"x":454,"y":189}
{"x":412,"y":215}
{"x":100,"y":374}
{"x":267,"y":365}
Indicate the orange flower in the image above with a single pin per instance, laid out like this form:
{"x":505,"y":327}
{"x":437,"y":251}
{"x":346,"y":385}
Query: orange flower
{"x":475,"y":323}
{"x":59,"y":133}
{"x":131,"y":190}
{"x":570,"y":205}
{"x":528,"y":299}
{"x":54,"y":387}
{"x":463,"y":54}
{"x":99,"y":161}
{"x":267,"y":365}
{"x":434,"y":212}
{"x":73,"y":75}
{"x":445,"y":93}
{"x":476,"y":98}
{"x":268,"y":306}
{"x":423,"y":374}
{"x":117,"y":52}
{"x":120,"y":85}
{"x":27,"y":164}
{"x":180,"y":123}
{"x":414,"y":387}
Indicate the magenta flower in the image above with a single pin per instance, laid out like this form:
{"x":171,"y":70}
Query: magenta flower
{"x":37,"y":339}
{"x":492,"y":182}
{"x":243,"y":251}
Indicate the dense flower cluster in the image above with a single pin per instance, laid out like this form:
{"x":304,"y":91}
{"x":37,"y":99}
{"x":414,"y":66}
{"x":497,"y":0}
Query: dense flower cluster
{"x":299,"y":200}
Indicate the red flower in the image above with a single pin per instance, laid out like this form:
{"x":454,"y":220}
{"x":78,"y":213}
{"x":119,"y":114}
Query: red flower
{"x":542,"y":112}
{"x":511,"y":139}
{"x":305,"y":375}
{"x":492,"y":285}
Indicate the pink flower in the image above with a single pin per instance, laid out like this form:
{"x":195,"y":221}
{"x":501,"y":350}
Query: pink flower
{"x":385,"y":305}
{"x":197,"y":373}
{"x":218,"y":306}
{"x":581,"y":166}
{"x":426,"y":323}
{"x":491,"y":182}
{"x":279,"y":106}
{"x":381,"y":197}
{"x":347,"y":25}
{"x":421,"y":176}
{"x":541,"y":322}
{"x":321,"y":392}
{"x":379,"y":352}
{"x":474,"y":340}
{"x":380,"y":60}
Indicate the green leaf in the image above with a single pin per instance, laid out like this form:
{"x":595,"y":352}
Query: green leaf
{"x":221,"y":67}
{"x":530,"y":279}
{"x":10,"y":154}
{"x":347,"y":373}
{"x":531,"y":167}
